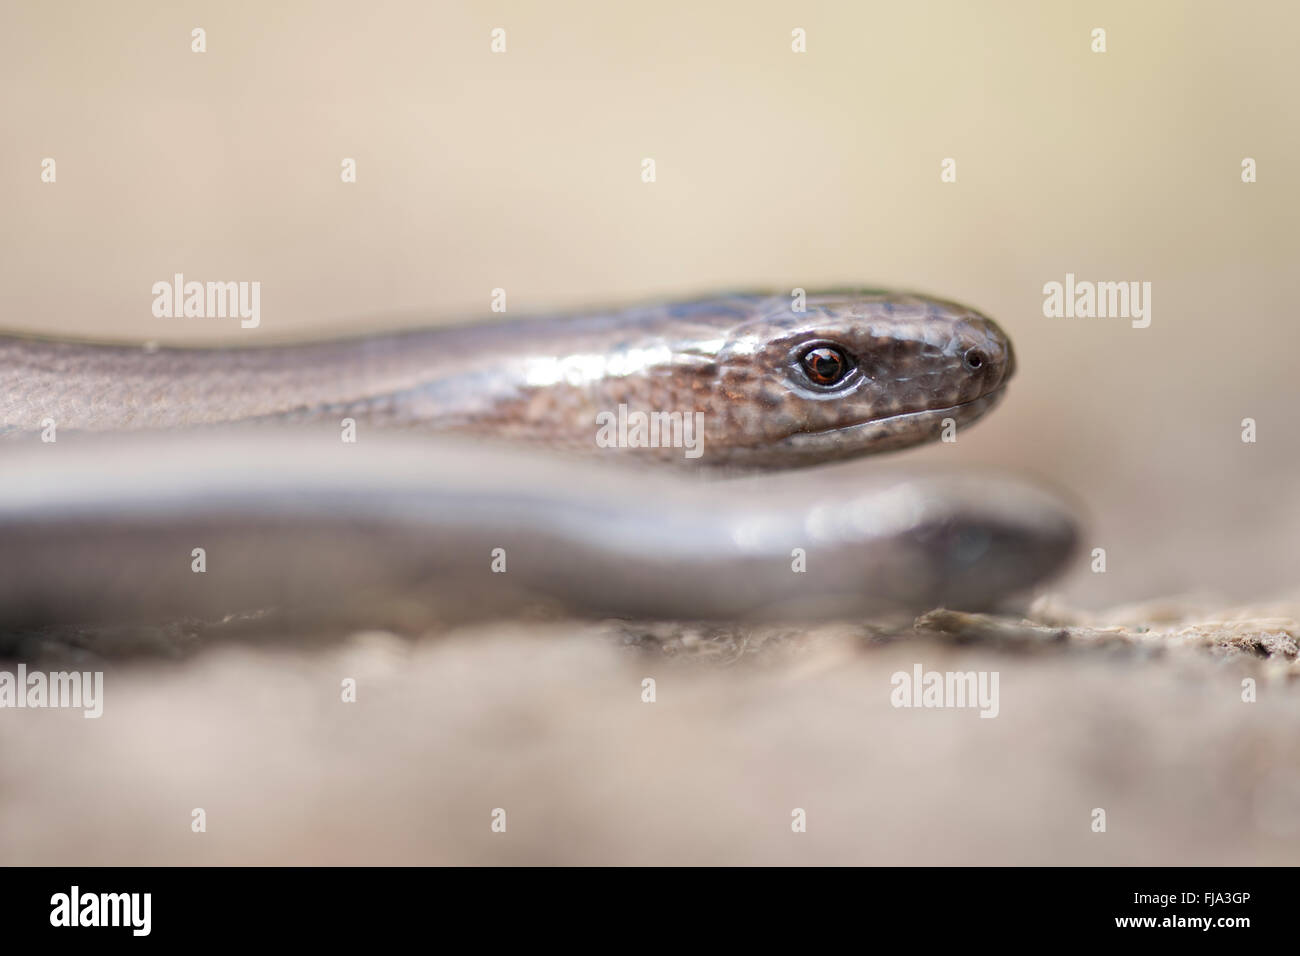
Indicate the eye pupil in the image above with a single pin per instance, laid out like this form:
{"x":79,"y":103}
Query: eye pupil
{"x":974,"y":359}
{"x":825,"y":365}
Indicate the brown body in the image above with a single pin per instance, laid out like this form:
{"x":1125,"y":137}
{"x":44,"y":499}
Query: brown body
{"x":104,"y":528}
{"x":730,"y":363}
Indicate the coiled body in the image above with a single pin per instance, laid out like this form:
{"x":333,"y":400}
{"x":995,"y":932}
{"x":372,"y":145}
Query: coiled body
{"x":107,"y":530}
{"x":214,"y":494}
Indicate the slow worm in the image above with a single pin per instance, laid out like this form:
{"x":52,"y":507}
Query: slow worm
{"x":852,"y":373}
{"x":106,"y":527}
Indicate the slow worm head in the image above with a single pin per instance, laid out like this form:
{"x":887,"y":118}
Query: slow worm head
{"x":855,"y":373}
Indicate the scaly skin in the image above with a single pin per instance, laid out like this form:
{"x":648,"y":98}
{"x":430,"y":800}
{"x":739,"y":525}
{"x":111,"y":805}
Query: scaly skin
{"x":101,"y":528}
{"x":732,"y":358}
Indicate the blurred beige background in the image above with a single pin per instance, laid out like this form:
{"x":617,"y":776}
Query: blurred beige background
{"x":522,"y":171}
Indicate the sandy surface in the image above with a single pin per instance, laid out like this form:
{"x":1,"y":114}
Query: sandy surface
{"x":546,"y":720}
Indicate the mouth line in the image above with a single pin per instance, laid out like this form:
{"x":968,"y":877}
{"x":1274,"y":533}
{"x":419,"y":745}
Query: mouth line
{"x":904,"y":416}
{"x":986,"y":397}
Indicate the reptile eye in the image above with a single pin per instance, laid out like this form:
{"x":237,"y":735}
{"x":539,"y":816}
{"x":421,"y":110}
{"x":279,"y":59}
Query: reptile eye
{"x":825,"y":365}
{"x":974,"y":359}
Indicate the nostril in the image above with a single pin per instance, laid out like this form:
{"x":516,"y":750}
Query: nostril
{"x":974,"y":359}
